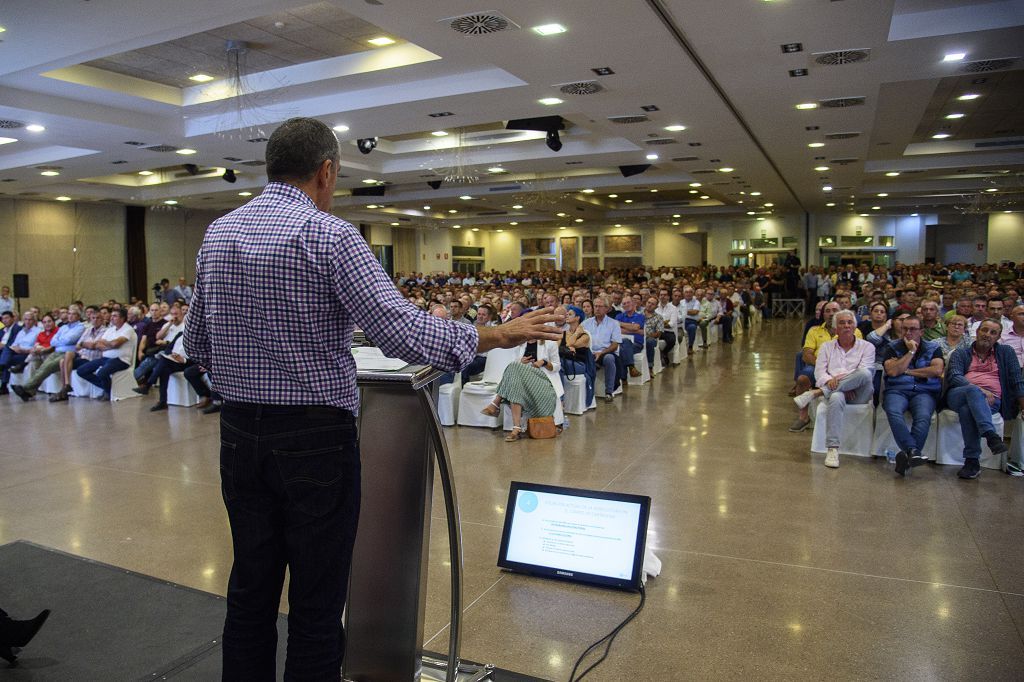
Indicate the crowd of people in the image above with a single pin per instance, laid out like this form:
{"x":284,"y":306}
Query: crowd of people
{"x":915,"y":339}
{"x":910,"y":338}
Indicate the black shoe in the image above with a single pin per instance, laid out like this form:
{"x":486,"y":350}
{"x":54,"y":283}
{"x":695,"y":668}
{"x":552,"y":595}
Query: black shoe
{"x":141,"y":390}
{"x":971,"y":469}
{"x":995,"y":443}
{"x":212,"y":409}
{"x":158,"y":407}
{"x":22,"y":393}
{"x":902,"y":463}
{"x":4,"y":391}
{"x":15,"y":634}
{"x":916,"y":458}
{"x":61,"y":396}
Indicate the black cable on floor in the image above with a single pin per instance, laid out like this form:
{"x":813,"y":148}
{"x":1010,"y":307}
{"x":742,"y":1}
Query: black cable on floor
{"x":610,"y":637}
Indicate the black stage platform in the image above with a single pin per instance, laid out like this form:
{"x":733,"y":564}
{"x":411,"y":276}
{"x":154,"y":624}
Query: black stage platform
{"x":110,"y":624}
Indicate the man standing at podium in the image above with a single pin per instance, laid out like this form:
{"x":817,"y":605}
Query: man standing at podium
{"x":289,"y":454}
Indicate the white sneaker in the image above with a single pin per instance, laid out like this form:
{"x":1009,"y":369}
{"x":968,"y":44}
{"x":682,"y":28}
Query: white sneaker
{"x":804,"y":399}
{"x":832,"y":458}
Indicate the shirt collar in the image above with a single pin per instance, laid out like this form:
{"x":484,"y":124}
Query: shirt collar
{"x":284,"y":190}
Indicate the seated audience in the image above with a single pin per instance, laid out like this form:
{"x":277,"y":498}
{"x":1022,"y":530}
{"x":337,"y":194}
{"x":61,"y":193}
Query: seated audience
{"x":956,"y":336}
{"x":117,"y":346}
{"x":210,"y":401}
{"x":18,"y":350}
{"x":690,"y":308}
{"x":813,"y":341}
{"x":913,"y":381}
{"x":842,"y":370}
{"x":654,"y":331}
{"x":933,"y":328}
{"x":631,"y":325}
{"x":574,"y":351}
{"x":605,"y":337}
{"x":63,"y":342}
{"x":530,"y":386}
{"x":983,"y":379}
{"x":167,"y":363}
{"x":1014,"y":336}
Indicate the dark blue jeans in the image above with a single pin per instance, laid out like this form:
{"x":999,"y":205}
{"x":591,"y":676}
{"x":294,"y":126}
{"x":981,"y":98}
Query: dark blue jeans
{"x":475,"y":366}
{"x":921,"y":406}
{"x":98,"y":372}
{"x":161,"y":373}
{"x":8,"y":359}
{"x":691,"y":333}
{"x":975,"y":416}
{"x":290,"y":482}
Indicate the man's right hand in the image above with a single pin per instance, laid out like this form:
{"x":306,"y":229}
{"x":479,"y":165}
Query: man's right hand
{"x":531,"y":326}
{"x":911,"y":346}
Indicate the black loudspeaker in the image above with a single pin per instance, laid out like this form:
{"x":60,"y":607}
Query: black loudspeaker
{"x":434,"y":184}
{"x":20,"y":286}
{"x":377,"y":191}
{"x":633,"y":170}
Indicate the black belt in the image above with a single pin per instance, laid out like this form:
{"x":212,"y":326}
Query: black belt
{"x":277,"y":410}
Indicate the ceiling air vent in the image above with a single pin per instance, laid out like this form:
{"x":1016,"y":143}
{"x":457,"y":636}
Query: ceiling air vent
{"x":8,"y":124}
{"x":985,"y":65}
{"x":629,"y":119}
{"x":841,"y":136}
{"x":580,"y":88}
{"x":841,"y":102}
{"x":253,"y":163}
{"x":231,"y":158}
{"x":845,"y":162}
{"x":703,"y":171}
{"x":492,"y":213}
{"x":686,"y":158}
{"x":49,"y":168}
{"x":118,"y":162}
{"x":480,"y":23}
{"x":136,"y":144}
{"x":661,"y":140}
{"x":162,"y":148}
{"x":841,"y":57}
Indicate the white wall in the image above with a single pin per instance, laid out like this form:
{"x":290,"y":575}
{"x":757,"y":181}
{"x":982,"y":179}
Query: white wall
{"x":1006,"y":237}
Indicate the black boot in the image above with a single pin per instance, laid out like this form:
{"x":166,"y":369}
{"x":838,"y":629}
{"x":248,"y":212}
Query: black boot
{"x":15,"y":634}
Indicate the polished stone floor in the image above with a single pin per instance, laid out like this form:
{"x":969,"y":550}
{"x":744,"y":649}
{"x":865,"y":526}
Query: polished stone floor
{"x":774,"y":566}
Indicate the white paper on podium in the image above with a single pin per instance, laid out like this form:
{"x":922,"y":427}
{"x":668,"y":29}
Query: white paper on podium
{"x":371,"y":359}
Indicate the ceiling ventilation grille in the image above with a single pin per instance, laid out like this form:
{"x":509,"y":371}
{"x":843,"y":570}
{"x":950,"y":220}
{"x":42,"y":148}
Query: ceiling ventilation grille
{"x":845,"y":162}
{"x":253,"y":163}
{"x":49,"y":168}
{"x":661,"y":141}
{"x":686,"y":158}
{"x":162,"y":148}
{"x":841,"y":102}
{"x":480,"y":23}
{"x":841,"y":136}
{"x":136,"y":144}
{"x":840,"y":57}
{"x":629,"y":119}
{"x":580,"y":88}
{"x":8,"y":124}
{"x":986,"y":65}
{"x":703,"y":171}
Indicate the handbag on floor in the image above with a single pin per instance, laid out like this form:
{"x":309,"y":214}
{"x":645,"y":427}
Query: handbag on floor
{"x":541,"y":427}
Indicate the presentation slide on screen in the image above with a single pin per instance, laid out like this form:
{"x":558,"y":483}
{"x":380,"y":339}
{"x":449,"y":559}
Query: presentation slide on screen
{"x":574,"y":534}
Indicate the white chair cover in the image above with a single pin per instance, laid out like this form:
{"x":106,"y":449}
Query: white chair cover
{"x":448,"y":401}
{"x":951,"y":442}
{"x":476,"y":395}
{"x":640,"y":362}
{"x":52,"y":383}
{"x":858,"y":430}
{"x":180,"y":392}
{"x":884,"y":440}
{"x":576,"y":395}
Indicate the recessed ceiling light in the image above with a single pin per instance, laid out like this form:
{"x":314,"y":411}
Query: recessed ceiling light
{"x":517,"y":206}
{"x":826,"y":188}
{"x":440,"y":133}
{"x":395,"y":224}
{"x":693,"y":191}
{"x":171,"y":202}
{"x":807,"y":105}
{"x":892,"y":174}
{"x":245,"y":194}
{"x":654,"y":191}
{"x":954,"y":57}
{"x":63,"y":198}
{"x":34,"y":128}
{"x":550,"y":101}
{"x":992,"y":189}
{"x":760,"y":218}
{"x":340,"y":128}
{"x":968,"y":97}
{"x":876,"y":208}
{"x":883,"y":194}
{"x":1007,"y":211}
{"x":652,"y":157}
{"x":587,"y":191}
{"x":750,"y":213}
{"x":769,"y":205}
{"x":578,"y":220}
{"x":629,"y":201}
{"x":726,"y":169}
{"x":815,"y":145}
{"x":452,"y":210}
{"x":677,"y":215}
{"x":694,"y":184}
{"x":456,"y":227}
{"x":372,"y":206}
{"x":370,"y":181}
{"x":7,"y":140}
{"x":426,"y":208}
{"x":476,"y":229}
{"x":821,"y":169}
{"x":496,"y":169}
{"x":560,"y":215}
{"x":675,"y":128}
{"x":704,"y":196}
{"x":499,"y":230}
{"x":513,"y":223}
{"x":675,"y":222}
{"x":561,"y":228}
{"x":549,"y":29}
{"x":613,"y":196}
{"x":381,"y":41}
{"x":2,"y":29}
{"x":145,"y":172}
{"x":50,"y":173}
{"x":201,"y":78}
{"x":940,"y":136}
{"x":914,"y":215}
{"x":954,"y":116}
{"x":755,"y":194}
{"x":831,"y":203}
{"x":185,"y":151}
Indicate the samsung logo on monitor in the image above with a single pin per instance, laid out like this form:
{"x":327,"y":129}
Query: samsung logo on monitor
{"x":568,"y":573}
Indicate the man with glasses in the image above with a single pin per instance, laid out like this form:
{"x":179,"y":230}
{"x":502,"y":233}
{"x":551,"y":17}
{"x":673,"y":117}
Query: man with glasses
{"x":913,"y":381}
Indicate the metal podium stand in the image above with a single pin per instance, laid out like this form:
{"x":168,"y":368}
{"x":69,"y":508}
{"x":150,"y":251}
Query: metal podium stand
{"x":400,"y":438}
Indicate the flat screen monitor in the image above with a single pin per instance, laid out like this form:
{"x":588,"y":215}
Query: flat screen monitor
{"x":587,"y":536}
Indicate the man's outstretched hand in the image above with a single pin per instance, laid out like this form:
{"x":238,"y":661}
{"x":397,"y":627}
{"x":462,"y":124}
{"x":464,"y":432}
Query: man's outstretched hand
{"x":532,"y":326}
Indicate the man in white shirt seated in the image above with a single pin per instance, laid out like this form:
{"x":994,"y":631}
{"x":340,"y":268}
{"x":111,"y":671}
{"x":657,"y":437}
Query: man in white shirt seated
{"x":993,"y":311}
{"x":690,"y":310}
{"x":844,"y":371}
{"x":167,"y":363}
{"x":1014,"y":336}
{"x":118,"y":346}
{"x":670,"y":314}
{"x":605,"y":337}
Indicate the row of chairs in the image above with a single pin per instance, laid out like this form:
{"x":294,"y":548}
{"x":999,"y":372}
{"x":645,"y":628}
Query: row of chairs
{"x":866,"y":433}
{"x":462,"y":404}
{"x":179,"y":391}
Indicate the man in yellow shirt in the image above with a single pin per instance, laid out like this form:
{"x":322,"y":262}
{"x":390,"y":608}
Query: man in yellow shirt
{"x":816,"y":337}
